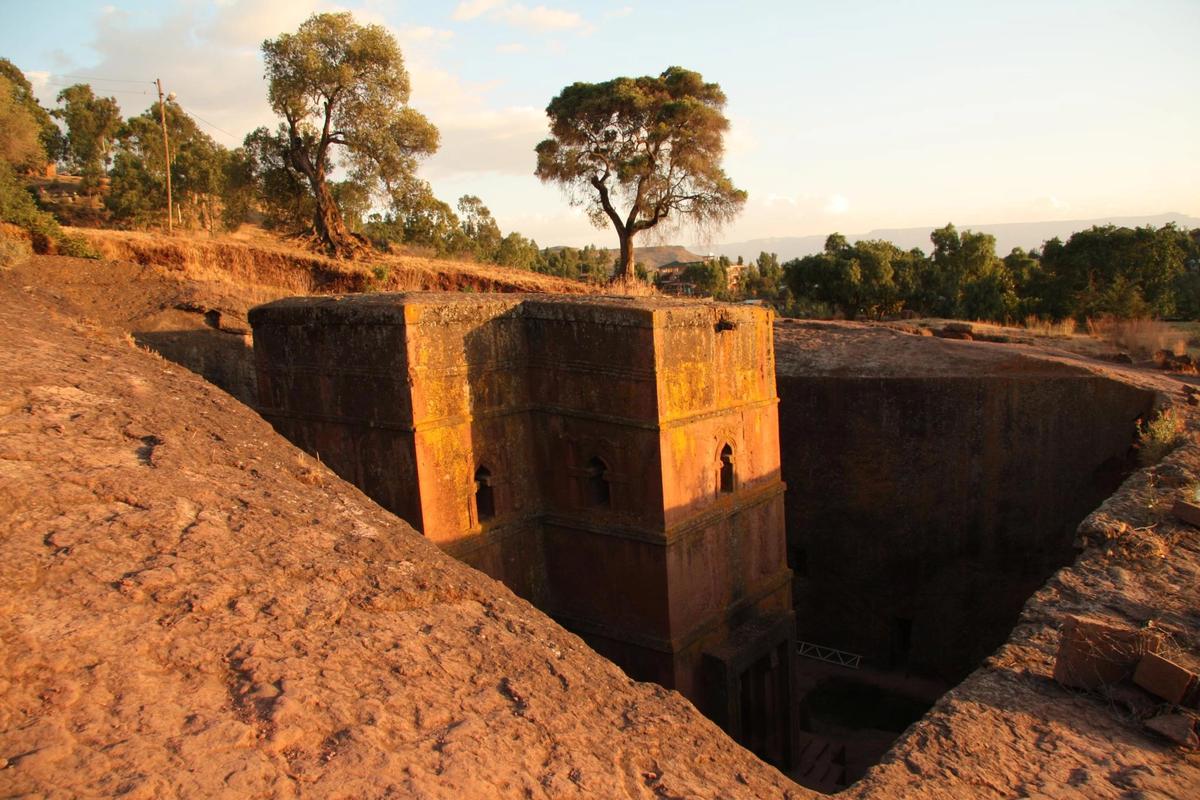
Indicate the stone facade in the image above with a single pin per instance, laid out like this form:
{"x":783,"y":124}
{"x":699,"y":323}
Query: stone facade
{"x":613,"y":460}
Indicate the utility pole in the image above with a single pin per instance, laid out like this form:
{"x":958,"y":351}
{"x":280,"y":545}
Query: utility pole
{"x":162,"y":115}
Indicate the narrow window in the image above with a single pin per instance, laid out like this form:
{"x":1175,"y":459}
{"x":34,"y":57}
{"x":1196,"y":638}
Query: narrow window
{"x":485,"y":496}
{"x":598,"y":493}
{"x":726,"y":469}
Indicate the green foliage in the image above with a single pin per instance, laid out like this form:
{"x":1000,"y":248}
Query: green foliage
{"x":856,"y":279}
{"x":200,"y":170}
{"x":20,"y":144}
{"x":518,"y":252}
{"x":638,"y":151}
{"x":18,"y":208}
{"x":479,"y":227}
{"x":589,"y":263}
{"x":261,"y":176}
{"x":340,"y":84}
{"x":709,"y":277}
{"x":1160,"y":435}
{"x":52,"y":141}
{"x":92,"y":124}
{"x":1117,"y":271}
{"x":1102,"y":272}
{"x":76,"y":247}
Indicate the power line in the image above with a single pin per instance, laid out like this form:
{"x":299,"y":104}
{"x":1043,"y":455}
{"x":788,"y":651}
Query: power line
{"x":96,"y":78}
{"x":206,"y":122}
{"x":105,"y":92}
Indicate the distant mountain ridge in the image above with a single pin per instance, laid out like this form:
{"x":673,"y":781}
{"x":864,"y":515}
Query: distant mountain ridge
{"x":1008,"y":235}
{"x":655,"y":257}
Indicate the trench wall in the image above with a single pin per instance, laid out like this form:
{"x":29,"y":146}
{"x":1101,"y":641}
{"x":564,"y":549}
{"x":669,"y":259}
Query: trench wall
{"x":923,"y":512}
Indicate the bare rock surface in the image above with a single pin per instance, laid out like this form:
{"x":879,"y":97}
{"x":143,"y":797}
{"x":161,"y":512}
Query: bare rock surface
{"x":867,"y":350}
{"x":190,"y":608}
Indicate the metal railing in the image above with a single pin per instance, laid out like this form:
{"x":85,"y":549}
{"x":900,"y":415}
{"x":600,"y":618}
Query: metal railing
{"x":830,"y":655}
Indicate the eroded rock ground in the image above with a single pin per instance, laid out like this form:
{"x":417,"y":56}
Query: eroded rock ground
{"x":191,"y":608}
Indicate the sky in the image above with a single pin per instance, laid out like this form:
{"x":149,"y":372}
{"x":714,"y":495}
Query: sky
{"x":845,"y":116}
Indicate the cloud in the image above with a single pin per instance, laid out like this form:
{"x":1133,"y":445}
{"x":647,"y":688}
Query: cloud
{"x":616,"y":13}
{"x":540,"y":18}
{"x":510,"y":48}
{"x":470,"y":9}
{"x":480,"y":140}
{"x":837,"y":204}
{"x":423,"y":33}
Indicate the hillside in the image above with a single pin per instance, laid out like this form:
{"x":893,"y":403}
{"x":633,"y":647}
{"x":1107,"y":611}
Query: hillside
{"x":655,"y":257}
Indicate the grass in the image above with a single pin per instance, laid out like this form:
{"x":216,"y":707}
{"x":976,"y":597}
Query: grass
{"x":1044,"y":327}
{"x":1141,"y":338}
{"x":257,"y":257}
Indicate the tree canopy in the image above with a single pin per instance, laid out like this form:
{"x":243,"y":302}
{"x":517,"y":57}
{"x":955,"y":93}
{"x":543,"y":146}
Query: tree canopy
{"x":338,"y":83}
{"x":198,"y":170}
{"x":637,"y":152}
{"x":20,"y":142}
{"x":92,"y":124}
{"x":51,"y":137}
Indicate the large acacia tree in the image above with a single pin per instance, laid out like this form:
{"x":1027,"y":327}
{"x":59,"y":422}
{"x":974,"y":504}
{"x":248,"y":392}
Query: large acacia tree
{"x":639,"y":151}
{"x":336,"y":82}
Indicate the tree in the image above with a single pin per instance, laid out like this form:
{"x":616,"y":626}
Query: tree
{"x":517,"y":251}
{"x":1125,"y":272}
{"x":92,"y":124}
{"x":20,"y":143}
{"x":479,"y":227}
{"x":338,"y":83}
{"x":22,"y":93}
{"x":639,"y":151}
{"x":199,"y":170}
{"x":709,"y":277}
{"x":855,"y":278}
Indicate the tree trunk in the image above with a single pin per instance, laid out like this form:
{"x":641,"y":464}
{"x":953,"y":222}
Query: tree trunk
{"x":328,"y":223}
{"x":625,"y":268}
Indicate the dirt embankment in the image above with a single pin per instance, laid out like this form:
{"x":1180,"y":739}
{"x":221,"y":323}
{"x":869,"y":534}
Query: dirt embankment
{"x":189,"y":608}
{"x":186,"y":297}
{"x":267,"y":261}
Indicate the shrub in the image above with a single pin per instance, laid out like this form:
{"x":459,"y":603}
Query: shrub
{"x":13,"y":251}
{"x":1159,"y":436}
{"x":77,"y":247}
{"x":18,"y":208}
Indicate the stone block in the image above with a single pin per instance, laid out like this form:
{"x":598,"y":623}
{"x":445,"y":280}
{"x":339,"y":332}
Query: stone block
{"x":1187,"y":512}
{"x":1165,"y":678}
{"x":1179,"y":728}
{"x":1094,"y":652}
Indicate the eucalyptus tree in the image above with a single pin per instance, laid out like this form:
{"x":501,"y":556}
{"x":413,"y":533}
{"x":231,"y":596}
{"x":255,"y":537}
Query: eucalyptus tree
{"x":340,"y":84}
{"x":637,"y":152}
{"x":92,"y":124}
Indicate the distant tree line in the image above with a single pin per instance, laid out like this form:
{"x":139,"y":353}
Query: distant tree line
{"x":1103,"y":271}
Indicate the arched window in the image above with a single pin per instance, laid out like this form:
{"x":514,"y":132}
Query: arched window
{"x":596,"y":486}
{"x":726,"y":469}
{"x":485,"y":495}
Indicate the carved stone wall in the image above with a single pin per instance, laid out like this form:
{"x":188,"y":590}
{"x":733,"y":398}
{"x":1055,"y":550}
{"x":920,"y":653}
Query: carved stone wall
{"x":615,"y":461}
